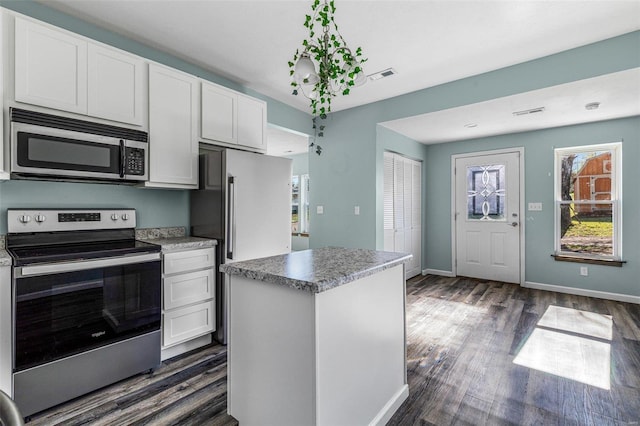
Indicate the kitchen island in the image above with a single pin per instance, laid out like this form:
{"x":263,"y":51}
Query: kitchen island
{"x":317,"y":337}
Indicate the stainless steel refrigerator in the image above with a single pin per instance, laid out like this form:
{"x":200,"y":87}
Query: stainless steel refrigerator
{"x":244,"y":202}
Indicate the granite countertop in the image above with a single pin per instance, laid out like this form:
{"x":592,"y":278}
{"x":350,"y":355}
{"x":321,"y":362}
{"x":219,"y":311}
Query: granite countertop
{"x":316,"y":270}
{"x":180,"y":243}
{"x":5,"y":258}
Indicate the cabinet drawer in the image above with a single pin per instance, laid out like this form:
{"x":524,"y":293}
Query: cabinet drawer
{"x":189,"y":322}
{"x":190,"y":260}
{"x":183,"y":289}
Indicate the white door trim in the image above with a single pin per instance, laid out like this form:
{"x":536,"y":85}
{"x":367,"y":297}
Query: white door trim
{"x":523,"y":219}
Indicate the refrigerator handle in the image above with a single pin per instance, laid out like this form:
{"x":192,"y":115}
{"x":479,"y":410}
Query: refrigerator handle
{"x":231,"y":214}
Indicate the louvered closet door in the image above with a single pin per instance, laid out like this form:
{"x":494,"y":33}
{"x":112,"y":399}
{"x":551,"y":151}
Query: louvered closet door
{"x":402,"y":208}
{"x":388,"y":202}
{"x":415,"y":267}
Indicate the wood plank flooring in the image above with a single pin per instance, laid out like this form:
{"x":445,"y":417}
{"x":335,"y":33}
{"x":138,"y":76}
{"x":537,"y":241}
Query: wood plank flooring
{"x":463,"y":337}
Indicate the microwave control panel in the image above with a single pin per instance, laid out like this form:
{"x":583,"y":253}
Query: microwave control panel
{"x":134,"y":161}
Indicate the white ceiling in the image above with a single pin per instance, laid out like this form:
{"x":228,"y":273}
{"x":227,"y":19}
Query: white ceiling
{"x":427,"y":42}
{"x":284,"y":142}
{"x":618,"y":95}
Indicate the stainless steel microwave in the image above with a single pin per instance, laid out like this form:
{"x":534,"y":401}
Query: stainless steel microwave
{"x":59,"y":148}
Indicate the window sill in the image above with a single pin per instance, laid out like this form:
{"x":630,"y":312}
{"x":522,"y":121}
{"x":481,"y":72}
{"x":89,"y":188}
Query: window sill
{"x":299,"y":234}
{"x":563,"y":258}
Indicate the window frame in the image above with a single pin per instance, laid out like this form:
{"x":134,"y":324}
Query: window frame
{"x":616,"y":201}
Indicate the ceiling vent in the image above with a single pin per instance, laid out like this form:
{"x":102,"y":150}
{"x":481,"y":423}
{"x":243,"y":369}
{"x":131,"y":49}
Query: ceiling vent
{"x":382,"y":74}
{"x":529,"y":111}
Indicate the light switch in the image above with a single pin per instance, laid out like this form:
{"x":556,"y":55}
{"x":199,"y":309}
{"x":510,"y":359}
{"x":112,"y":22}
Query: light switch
{"x":320,"y":209}
{"x":535,"y":207}
{"x":356,"y":210}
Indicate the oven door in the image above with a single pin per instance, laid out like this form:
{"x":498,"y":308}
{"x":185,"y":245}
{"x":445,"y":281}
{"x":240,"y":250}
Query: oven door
{"x":65,"y":308}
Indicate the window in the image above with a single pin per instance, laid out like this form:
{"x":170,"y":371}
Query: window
{"x":588,"y":201}
{"x":300,"y":204}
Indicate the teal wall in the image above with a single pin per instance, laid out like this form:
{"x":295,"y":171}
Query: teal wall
{"x":539,"y":226}
{"x":349,"y":171}
{"x":300,"y":164}
{"x":156,"y":207}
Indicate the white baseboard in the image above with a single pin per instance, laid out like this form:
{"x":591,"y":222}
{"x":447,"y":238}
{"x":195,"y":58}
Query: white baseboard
{"x":584,"y":292}
{"x":437,"y":272}
{"x":187,"y":346}
{"x":391,"y":407}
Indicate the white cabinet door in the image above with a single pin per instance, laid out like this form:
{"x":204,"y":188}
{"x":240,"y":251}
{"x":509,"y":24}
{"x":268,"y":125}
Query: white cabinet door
{"x":173,"y":137}
{"x":115,"y":85}
{"x":219,"y":113}
{"x":190,"y":260}
{"x":252,"y":122}
{"x":184,"y":289}
{"x":182,"y":324}
{"x":3,"y":167}
{"x":50,"y":67}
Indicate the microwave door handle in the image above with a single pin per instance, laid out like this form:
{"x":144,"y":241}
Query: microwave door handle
{"x":122,"y":158}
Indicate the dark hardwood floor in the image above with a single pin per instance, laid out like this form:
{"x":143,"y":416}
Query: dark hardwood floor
{"x":479,"y":352}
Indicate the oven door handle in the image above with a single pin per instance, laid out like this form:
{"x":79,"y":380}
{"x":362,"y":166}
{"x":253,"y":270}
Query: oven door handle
{"x":57,"y":268}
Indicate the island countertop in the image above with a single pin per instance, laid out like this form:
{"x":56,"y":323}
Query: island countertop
{"x":316,"y":270}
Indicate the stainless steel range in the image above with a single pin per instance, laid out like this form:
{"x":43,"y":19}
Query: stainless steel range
{"x":86,"y":303}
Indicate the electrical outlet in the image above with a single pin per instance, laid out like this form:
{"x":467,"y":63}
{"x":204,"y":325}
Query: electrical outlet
{"x":320,"y":209}
{"x":584,"y":271}
{"x":356,"y":210}
{"x":535,"y":207}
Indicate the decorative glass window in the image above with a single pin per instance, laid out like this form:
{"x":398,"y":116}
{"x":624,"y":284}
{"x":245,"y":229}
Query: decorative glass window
{"x":485,"y":192}
{"x":588,"y":195}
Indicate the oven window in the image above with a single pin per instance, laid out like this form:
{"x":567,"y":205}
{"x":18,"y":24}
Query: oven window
{"x":63,"y":314}
{"x":52,"y":152}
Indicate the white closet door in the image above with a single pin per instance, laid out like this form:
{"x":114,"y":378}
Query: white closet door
{"x":416,"y":220}
{"x":403,"y":209}
{"x":388,"y":202}
{"x":398,"y":204}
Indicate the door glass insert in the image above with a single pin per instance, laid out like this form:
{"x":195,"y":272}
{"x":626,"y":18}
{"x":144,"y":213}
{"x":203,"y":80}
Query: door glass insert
{"x":486,"y":192}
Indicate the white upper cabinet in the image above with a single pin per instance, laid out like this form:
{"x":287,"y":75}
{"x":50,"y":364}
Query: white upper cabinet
{"x":219,"y":113}
{"x":232,"y":118}
{"x":50,"y":67}
{"x":4,"y":160}
{"x":173,"y":135}
{"x":115,"y":85}
{"x":57,"y":69}
{"x":252,"y":122}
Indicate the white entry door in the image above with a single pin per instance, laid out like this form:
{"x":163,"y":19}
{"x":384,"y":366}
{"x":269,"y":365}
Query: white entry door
{"x":403,"y":209}
{"x":487,"y":216}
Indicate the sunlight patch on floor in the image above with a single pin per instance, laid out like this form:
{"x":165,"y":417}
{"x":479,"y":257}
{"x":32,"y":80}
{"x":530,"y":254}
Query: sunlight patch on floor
{"x":576,"y":321}
{"x":585,"y":357}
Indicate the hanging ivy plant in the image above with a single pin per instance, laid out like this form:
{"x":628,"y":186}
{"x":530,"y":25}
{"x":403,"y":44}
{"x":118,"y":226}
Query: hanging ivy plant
{"x":336,"y":67}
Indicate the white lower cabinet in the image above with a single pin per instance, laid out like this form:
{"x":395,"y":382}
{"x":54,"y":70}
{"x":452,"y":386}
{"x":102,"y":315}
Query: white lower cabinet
{"x":188,"y":300}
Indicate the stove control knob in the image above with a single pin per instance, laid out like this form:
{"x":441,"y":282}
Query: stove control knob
{"x":25,"y":218}
{"x":40,"y":218}
{"x":114,"y":216}
{"x":125,"y":217}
